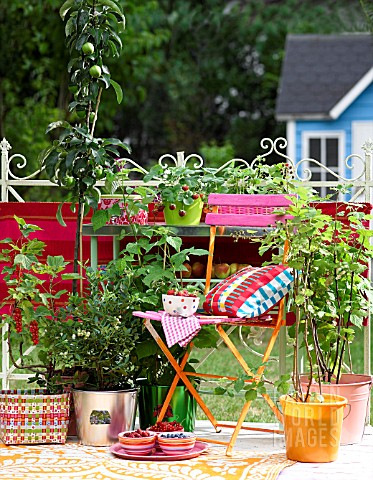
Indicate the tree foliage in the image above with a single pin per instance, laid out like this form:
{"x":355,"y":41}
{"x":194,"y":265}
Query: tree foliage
{"x":193,"y":73}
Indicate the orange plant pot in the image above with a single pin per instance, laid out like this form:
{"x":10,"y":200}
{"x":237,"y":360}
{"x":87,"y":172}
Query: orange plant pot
{"x":313,"y":430}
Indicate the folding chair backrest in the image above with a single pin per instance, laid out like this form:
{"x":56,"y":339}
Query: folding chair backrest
{"x":243,"y":210}
{"x":246,"y":210}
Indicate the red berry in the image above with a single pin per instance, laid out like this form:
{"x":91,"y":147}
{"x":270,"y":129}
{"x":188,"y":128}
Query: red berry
{"x":185,"y":188}
{"x":183,"y":293}
{"x":171,"y":292}
{"x":195,"y":196}
{"x":172,"y":206}
{"x":182,"y":213}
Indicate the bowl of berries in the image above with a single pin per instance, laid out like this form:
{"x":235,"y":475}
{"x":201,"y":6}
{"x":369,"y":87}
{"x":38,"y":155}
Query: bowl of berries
{"x":166,"y":427}
{"x":137,"y":442}
{"x":180,"y":302}
{"x":176,"y":443}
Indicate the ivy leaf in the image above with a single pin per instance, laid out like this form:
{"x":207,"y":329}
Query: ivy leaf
{"x":24,"y":260}
{"x":56,"y":261}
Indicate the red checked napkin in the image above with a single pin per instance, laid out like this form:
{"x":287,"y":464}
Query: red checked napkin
{"x":179,"y":329}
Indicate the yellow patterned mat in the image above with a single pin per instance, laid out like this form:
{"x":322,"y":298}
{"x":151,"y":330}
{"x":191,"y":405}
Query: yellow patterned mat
{"x":73,"y":461}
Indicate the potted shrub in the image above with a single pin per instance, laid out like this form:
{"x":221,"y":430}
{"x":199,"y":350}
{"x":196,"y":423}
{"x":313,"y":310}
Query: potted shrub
{"x":34,"y":290}
{"x":331,"y":298}
{"x":96,"y":339}
{"x":100,"y":339}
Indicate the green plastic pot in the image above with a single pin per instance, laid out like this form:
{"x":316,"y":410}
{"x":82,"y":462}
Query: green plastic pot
{"x":192,"y":216}
{"x":182,"y":407}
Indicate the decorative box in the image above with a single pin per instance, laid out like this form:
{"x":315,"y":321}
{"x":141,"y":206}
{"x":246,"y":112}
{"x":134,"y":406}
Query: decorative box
{"x":29,"y":416}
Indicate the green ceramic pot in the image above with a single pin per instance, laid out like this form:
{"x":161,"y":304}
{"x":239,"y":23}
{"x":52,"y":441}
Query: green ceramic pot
{"x":192,"y":216}
{"x":182,"y":407}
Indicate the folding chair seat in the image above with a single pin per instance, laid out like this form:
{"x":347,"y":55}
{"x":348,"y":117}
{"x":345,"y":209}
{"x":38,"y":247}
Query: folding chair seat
{"x":228,"y":210}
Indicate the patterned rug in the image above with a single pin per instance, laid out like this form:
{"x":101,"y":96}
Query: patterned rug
{"x":73,"y":461}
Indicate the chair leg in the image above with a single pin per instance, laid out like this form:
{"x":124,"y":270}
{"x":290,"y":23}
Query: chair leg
{"x":180,"y":374}
{"x":210,"y":259}
{"x":237,"y":428}
{"x":171,"y":390}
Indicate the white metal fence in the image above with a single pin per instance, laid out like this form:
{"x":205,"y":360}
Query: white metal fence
{"x":274,"y":149}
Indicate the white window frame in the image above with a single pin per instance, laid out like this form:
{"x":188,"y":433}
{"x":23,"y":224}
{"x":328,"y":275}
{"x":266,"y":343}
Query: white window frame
{"x":322,"y":135}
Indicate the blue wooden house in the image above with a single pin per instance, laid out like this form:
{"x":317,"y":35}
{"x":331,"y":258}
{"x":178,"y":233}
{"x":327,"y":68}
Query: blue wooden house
{"x":326,"y":99}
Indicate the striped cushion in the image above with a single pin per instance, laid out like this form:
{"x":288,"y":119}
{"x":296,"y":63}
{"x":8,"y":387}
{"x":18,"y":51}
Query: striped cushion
{"x":250,"y":292}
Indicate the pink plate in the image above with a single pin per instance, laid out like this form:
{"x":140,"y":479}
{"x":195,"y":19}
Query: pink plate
{"x":156,"y":455}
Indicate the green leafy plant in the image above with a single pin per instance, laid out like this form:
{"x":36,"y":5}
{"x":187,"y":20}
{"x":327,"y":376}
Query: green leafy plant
{"x":34,"y":292}
{"x":97,"y":336}
{"x":177,"y":187}
{"x":258,"y":178}
{"x":331,"y":296}
{"x":78,"y":160}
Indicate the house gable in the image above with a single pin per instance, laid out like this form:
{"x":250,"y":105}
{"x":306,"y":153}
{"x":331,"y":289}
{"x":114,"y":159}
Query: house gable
{"x":323,"y":74}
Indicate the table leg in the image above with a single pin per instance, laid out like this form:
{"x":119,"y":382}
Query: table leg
{"x":116,"y":247}
{"x":94,"y":255}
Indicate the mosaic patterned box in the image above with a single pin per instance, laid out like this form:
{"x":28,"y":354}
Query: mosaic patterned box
{"x":29,"y":416}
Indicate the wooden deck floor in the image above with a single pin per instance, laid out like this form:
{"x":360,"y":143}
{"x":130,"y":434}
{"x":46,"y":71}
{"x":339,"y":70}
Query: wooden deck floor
{"x":355,"y":462}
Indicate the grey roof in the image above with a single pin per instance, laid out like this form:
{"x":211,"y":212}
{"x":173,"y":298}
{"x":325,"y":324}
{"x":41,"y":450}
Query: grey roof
{"x":319,"y":70}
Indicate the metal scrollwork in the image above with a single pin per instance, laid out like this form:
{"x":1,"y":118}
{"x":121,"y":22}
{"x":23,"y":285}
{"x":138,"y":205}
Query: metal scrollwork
{"x":20,"y":166}
{"x":255,"y":335}
{"x":274,"y":146}
{"x":180,"y":160}
{"x":306,"y":173}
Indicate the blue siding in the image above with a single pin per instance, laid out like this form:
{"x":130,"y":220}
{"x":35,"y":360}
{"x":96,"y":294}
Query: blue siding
{"x":360,"y":109}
